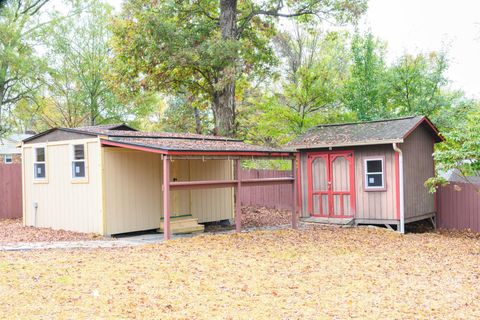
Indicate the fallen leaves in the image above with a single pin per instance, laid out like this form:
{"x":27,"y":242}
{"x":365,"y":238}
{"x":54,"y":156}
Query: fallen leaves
{"x":263,"y":217}
{"x":12,"y":230}
{"x":285,"y":274}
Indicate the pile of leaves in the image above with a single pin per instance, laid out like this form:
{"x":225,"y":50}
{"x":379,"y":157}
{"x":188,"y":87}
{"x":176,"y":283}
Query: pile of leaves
{"x":264,"y":217}
{"x":328,"y":273}
{"x":12,"y":230}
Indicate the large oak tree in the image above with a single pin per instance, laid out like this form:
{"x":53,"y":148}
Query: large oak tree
{"x":205,"y":46}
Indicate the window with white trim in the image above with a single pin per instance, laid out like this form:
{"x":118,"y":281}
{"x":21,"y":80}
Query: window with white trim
{"x":78,"y":161}
{"x":374,"y":174}
{"x":39,"y":164}
{"x":8,"y":159}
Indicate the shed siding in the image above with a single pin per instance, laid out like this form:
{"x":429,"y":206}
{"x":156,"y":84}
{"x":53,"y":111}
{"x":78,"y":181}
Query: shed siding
{"x":375,"y":204}
{"x":418,"y":167}
{"x":133,"y":197}
{"x":372,"y":205}
{"x":63,"y":204}
{"x":212,"y":204}
{"x":133,"y":189}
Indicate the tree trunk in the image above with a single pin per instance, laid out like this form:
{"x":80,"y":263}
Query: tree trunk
{"x":224,"y":98}
{"x":198,"y":123}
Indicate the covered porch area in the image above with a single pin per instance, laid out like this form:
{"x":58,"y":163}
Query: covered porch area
{"x":181,"y":164}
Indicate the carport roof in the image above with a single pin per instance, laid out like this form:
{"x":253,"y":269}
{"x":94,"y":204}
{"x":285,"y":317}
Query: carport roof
{"x":362,"y":133}
{"x":124,"y":136}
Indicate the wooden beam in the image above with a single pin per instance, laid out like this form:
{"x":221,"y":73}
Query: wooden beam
{"x":267,"y":181}
{"x":228,"y":183}
{"x":294,"y":195}
{"x":166,"y":198}
{"x":238,"y":199}
{"x":202,"y":184}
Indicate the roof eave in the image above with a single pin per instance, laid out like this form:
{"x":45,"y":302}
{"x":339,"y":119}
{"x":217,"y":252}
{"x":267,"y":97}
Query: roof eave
{"x":41,"y":134}
{"x":347,"y":144}
{"x":166,"y":151}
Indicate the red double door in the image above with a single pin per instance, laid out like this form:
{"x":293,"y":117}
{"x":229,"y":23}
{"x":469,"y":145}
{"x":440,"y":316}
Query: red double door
{"x":331,"y":184}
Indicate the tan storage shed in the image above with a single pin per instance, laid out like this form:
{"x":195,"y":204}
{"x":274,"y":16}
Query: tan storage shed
{"x":114,"y":179}
{"x":368,"y":172}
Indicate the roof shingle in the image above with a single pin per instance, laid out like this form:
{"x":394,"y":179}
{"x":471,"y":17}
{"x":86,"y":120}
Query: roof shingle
{"x":359,"y":133}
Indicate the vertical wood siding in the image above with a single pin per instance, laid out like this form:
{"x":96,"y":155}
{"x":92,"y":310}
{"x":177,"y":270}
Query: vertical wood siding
{"x":458,"y":209}
{"x":418,"y":166}
{"x":276,"y":197}
{"x":212,"y":204}
{"x":10,"y":191}
{"x":134,"y":199}
{"x":133,"y":196}
{"x":63,"y":204}
{"x":375,"y":204}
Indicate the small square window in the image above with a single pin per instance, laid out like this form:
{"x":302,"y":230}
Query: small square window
{"x":78,"y":161}
{"x":374,"y":174}
{"x":39,"y":170}
{"x":8,"y":159}
{"x":40,"y":154}
{"x":39,"y":165}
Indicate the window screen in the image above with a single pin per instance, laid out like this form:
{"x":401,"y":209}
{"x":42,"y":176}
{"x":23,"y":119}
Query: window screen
{"x":39,"y":168}
{"x":8,"y":158}
{"x":374,"y":175}
{"x":78,"y":162}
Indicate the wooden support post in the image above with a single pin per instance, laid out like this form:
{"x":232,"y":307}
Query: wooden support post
{"x":294,"y":195}
{"x":166,"y":198}
{"x":238,"y":199}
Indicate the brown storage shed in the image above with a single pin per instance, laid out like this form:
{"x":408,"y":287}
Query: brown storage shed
{"x":114,"y":179}
{"x":368,"y":172}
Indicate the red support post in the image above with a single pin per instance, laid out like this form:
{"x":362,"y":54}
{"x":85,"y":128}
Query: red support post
{"x":238,"y":200}
{"x":294,"y":195}
{"x":166,"y":198}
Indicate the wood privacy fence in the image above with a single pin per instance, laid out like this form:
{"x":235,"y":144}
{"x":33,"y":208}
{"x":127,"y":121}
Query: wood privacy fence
{"x":458,"y":207}
{"x":10,"y":190}
{"x":277,"y":197}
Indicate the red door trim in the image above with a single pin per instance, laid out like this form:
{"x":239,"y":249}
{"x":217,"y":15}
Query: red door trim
{"x":329,"y":157}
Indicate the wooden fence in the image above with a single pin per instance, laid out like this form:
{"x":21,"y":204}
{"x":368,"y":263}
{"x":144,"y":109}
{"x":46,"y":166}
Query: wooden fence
{"x":278,"y":197}
{"x":10,"y":190}
{"x":458,"y":207}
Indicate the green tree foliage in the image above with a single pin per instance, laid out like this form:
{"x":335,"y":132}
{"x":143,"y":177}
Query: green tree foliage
{"x":316,"y":67}
{"x":204,"y":47}
{"x":461,"y":150}
{"x":76,"y":88}
{"x":366,"y":92}
{"x":416,"y":84}
{"x":20,"y":29}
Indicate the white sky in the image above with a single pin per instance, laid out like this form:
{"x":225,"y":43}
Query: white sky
{"x":416,"y":26}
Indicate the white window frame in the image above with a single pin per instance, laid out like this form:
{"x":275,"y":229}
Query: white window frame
{"x":9,"y":157}
{"x":366,"y":173}
{"x":35,"y":162}
{"x":73,"y":160}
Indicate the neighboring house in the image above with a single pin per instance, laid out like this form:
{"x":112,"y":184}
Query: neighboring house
{"x":113,"y":179}
{"x":368,"y":173}
{"x":9,"y":148}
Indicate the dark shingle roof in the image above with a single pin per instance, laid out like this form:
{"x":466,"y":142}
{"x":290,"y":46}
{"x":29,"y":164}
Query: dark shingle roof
{"x":361,"y":133}
{"x":177,"y":144}
{"x":166,"y":141}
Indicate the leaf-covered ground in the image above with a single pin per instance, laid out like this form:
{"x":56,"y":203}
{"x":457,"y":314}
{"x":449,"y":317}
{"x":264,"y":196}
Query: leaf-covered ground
{"x":12,"y":230}
{"x":308,"y":274}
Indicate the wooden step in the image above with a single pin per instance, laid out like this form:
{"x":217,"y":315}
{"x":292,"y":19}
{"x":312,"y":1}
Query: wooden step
{"x":183,"y":224}
{"x":340,"y":221}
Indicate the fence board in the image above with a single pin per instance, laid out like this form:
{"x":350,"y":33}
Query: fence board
{"x":10,"y":191}
{"x":276,"y":196}
{"x":459,"y":209}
